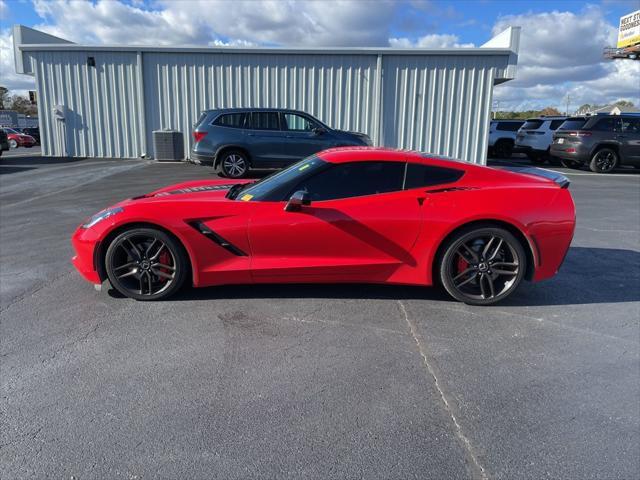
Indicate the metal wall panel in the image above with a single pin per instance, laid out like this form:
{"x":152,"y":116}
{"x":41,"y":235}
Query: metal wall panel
{"x":438,"y":104}
{"x":102,"y":113}
{"x":433,"y":103}
{"x":337,"y":89}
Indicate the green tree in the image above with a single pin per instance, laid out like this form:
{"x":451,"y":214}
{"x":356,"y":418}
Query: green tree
{"x":5,"y":99}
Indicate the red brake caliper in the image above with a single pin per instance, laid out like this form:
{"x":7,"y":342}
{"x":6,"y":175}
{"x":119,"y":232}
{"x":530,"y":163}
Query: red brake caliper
{"x":462,"y":264}
{"x":165,"y":258}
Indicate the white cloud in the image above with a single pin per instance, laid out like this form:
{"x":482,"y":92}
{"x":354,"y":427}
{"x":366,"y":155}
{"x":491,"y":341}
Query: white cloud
{"x":430,"y":41}
{"x":560,"y":54}
{"x":4,"y":9}
{"x":8,"y":76}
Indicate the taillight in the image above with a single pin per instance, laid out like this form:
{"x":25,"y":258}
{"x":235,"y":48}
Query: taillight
{"x":580,"y":133}
{"x":570,"y":150}
{"x":197,"y":136}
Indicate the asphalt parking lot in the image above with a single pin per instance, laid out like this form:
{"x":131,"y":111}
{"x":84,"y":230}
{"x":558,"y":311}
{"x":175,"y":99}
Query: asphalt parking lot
{"x":311,"y":381}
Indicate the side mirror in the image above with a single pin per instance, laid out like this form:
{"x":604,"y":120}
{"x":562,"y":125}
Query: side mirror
{"x":319,"y":130}
{"x":297,"y":201}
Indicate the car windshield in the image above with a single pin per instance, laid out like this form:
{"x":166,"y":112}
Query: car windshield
{"x":11,"y":130}
{"x":572,"y":124}
{"x":532,"y":124}
{"x":275,"y":186}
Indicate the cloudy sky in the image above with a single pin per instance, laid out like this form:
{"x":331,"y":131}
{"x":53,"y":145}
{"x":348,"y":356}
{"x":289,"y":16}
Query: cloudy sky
{"x":560,"y":54}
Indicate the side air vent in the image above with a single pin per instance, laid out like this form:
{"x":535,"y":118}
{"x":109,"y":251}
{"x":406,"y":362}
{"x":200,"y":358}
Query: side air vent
{"x":215,"y":238}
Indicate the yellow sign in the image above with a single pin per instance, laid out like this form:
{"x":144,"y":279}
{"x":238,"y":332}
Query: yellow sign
{"x":246,"y":197}
{"x":629,"y":31}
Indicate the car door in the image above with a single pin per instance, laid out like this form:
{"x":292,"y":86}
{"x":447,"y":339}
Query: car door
{"x":265,"y":139}
{"x":360,"y":226}
{"x":629,"y":137}
{"x":304,"y":136}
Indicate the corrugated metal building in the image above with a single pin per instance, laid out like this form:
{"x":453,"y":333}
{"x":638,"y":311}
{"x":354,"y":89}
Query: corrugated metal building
{"x":105,"y":101}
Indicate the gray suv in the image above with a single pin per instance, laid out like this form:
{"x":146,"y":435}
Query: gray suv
{"x":602,"y":142}
{"x":234,"y":140}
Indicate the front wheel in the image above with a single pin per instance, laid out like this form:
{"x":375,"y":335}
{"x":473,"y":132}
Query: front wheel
{"x":13,"y":143}
{"x":604,"y":160}
{"x":234,"y":164}
{"x":146,"y":264}
{"x":482,"y":265}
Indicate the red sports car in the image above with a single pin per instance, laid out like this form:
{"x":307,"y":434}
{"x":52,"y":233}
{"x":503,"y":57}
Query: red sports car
{"x":18,"y":139}
{"x":349,"y":215}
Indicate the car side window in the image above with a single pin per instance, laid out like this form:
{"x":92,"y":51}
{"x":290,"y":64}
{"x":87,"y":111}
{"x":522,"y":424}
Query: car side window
{"x":419,"y":175}
{"x":297,"y":123}
{"x":264,"y":121}
{"x":354,"y":179}
{"x":509,"y":126}
{"x":631,"y":125}
{"x":233,"y":120}
{"x":606,"y":125}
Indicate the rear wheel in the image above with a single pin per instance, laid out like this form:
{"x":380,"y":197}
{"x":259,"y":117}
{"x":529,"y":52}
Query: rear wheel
{"x":146,"y":264}
{"x":482,"y":265}
{"x":604,"y":160}
{"x":234,"y":164}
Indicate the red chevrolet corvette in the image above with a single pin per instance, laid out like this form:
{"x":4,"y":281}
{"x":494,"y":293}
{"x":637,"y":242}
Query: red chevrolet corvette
{"x":349,"y":215}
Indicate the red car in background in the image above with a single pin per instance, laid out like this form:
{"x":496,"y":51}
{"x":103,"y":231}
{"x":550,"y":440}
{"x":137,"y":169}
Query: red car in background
{"x":346,"y":215}
{"x":18,"y":139}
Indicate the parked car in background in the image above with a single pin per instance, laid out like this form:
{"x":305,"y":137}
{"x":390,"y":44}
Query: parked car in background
{"x":602,"y":142}
{"x":535,"y":136}
{"x":18,"y":139}
{"x":32,"y":131}
{"x":237,"y":139}
{"x":502,"y":137}
{"x":4,"y":141}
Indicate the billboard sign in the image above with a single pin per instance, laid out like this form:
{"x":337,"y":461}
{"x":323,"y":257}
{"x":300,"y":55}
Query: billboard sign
{"x":629,"y":31}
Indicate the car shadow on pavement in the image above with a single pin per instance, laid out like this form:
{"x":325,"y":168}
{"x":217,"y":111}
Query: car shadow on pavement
{"x":37,"y":160}
{"x":588,"y":276}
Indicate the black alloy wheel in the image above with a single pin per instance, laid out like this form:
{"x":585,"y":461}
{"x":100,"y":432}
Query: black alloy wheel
{"x":482,"y":265}
{"x":234,"y":164}
{"x":146,"y":264}
{"x":604,"y":160}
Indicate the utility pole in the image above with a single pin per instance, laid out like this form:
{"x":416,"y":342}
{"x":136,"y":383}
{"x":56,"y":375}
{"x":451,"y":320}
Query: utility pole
{"x":566,"y":112}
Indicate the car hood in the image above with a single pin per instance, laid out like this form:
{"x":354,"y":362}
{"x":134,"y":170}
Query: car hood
{"x":355,"y":135}
{"x":209,"y":189}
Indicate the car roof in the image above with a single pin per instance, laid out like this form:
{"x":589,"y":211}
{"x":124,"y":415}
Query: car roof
{"x":512,"y":120}
{"x":245,"y":109}
{"x":380,"y":154}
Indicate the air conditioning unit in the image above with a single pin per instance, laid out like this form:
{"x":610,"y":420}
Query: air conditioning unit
{"x":168,"y":145}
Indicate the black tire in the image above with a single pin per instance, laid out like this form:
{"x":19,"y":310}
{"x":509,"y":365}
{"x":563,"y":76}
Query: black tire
{"x":488,"y":261}
{"x":233,"y":164}
{"x":570,"y":163}
{"x":604,"y":160}
{"x":155,"y":265}
{"x":538,"y":160}
{"x":503,"y":149}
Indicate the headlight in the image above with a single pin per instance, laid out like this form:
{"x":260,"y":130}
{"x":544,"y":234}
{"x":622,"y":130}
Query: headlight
{"x":104,"y":214}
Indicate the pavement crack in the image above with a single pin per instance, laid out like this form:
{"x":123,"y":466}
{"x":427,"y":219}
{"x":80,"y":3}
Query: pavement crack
{"x":478,"y":469}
